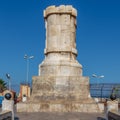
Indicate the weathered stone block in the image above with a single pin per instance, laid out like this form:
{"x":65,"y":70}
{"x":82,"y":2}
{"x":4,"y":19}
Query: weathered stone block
{"x":69,"y":8}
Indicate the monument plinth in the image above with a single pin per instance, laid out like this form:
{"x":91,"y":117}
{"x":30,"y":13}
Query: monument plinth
{"x":60,"y":85}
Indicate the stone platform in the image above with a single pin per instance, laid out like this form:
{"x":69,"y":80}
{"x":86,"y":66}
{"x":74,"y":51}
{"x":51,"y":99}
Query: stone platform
{"x":51,"y":95}
{"x":60,"y":116}
{"x":58,"y":106}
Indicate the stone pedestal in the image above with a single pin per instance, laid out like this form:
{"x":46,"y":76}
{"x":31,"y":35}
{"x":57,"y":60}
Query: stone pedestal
{"x":112,"y":106}
{"x":60,"y":85}
{"x":8,"y":105}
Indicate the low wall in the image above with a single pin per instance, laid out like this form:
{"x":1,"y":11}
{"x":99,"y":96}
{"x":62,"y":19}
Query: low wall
{"x":6,"y":115}
{"x":113,"y":115}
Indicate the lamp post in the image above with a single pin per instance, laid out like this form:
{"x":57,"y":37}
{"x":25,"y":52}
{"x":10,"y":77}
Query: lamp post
{"x":27,"y":59}
{"x":99,"y":77}
{"x":9,"y":81}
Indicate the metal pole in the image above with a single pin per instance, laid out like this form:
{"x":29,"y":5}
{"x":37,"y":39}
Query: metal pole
{"x":9,"y":85}
{"x":102,"y":91}
{"x":98,"y":77}
{"x":9,"y":82}
{"x":27,"y":70}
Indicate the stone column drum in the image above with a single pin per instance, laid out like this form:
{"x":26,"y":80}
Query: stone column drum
{"x":60,"y":85}
{"x":60,"y":48}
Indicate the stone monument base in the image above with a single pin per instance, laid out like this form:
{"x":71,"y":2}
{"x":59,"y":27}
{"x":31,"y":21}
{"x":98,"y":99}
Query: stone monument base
{"x":59,"y":94}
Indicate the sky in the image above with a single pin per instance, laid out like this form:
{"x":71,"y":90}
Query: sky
{"x":22,"y":31}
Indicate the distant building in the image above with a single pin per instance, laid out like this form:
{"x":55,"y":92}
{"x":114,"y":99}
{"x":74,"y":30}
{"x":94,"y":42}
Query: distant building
{"x":24,"y":91}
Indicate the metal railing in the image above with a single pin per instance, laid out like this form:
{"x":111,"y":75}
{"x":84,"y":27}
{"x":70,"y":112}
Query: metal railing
{"x":104,"y":90}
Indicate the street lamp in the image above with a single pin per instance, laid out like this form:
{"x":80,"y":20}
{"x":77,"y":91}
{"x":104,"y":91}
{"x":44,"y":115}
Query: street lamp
{"x":8,"y":77}
{"x":27,"y":59}
{"x":99,"y":77}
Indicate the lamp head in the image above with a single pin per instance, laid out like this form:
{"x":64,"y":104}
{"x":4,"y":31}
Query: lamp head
{"x":25,"y":56}
{"x":31,"y":57}
{"x":102,"y":76}
{"x":94,"y":75}
{"x":8,"y":75}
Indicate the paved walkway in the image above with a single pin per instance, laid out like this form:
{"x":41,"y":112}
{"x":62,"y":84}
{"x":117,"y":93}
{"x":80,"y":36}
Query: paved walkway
{"x":59,"y":116}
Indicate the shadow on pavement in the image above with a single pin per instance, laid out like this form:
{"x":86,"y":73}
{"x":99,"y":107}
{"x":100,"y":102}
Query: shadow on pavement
{"x":16,"y":118}
{"x":100,"y":118}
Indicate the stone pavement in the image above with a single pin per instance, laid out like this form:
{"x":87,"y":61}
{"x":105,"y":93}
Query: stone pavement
{"x":59,"y":116}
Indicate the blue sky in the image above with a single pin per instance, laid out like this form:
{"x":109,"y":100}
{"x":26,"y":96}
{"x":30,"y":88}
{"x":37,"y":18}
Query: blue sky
{"x":22,"y":31}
